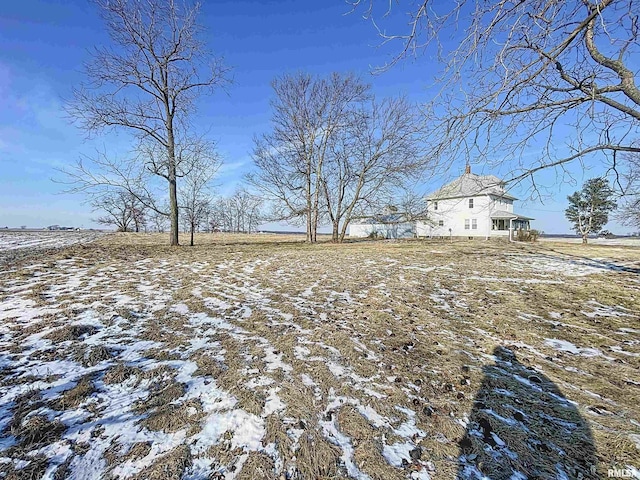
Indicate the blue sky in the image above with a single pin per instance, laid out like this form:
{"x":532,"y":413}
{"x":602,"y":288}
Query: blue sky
{"x":45,"y":42}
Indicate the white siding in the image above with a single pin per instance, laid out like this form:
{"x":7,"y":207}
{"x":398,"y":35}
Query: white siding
{"x":503,"y":204}
{"x":363,"y":230}
{"x":454,"y":211}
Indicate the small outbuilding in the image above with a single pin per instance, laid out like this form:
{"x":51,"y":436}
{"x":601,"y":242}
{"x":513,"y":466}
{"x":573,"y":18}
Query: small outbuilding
{"x":388,"y":225}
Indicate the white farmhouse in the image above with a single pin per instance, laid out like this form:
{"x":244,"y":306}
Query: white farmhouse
{"x":472,"y":206}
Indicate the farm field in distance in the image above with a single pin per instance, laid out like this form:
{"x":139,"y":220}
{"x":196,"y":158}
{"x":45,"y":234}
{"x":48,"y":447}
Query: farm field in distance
{"x":262,"y":357}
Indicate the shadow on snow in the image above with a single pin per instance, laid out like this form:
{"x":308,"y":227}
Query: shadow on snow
{"x":522,"y":427}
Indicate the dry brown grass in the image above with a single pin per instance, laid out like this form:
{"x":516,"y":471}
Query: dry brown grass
{"x":258,"y":465}
{"x":170,"y":467}
{"x":73,"y":397}
{"x":367,"y":448}
{"x":37,"y":431}
{"x":317,"y":458}
{"x":415,"y":322}
{"x":33,"y":471}
{"x":70,"y":332}
{"x":119,"y":373}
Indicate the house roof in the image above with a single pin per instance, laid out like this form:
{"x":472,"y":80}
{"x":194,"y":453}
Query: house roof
{"x":505,"y":214}
{"x":469,"y":185}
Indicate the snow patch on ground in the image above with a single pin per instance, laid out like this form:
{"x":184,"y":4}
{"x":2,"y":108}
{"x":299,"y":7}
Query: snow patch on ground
{"x":565,"y":346}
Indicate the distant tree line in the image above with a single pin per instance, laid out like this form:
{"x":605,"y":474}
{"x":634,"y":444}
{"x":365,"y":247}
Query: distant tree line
{"x":240,"y":212}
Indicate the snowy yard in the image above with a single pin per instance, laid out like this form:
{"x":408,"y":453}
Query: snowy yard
{"x":41,"y":239}
{"x":253,"y":358}
{"x":17,"y":244}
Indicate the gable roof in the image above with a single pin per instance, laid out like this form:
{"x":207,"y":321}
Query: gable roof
{"x":470,"y":185}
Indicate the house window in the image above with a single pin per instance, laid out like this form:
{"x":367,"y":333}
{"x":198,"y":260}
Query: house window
{"x":441,"y":223}
{"x":474,"y":224}
{"x":471,"y":203}
{"x":466,"y":224}
{"x":435,"y":205}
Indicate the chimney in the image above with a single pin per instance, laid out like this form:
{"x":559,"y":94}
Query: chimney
{"x":467,"y":169}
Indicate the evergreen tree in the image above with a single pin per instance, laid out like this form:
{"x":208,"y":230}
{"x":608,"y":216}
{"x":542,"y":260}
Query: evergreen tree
{"x":589,"y":208}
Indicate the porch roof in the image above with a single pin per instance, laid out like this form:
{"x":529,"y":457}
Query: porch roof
{"x":505,"y":214}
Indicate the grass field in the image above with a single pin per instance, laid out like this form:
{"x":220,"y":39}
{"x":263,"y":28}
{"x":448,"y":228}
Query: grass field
{"x":261,"y":357}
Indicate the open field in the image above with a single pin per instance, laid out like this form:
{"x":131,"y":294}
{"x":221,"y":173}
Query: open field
{"x":260,"y":357}
{"x":15,"y":244}
{"x":620,"y":242}
{"x":17,"y":240}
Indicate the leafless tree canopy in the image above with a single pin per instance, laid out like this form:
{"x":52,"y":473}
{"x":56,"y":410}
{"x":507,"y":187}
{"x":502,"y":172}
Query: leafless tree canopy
{"x":377,"y":148}
{"x":239,"y":213}
{"x":147,"y":82}
{"x":194,"y":198}
{"x":290,"y":160}
{"x":628,"y":212}
{"x":333,"y":151}
{"x":120,"y":210}
{"x":554,"y":77}
{"x":157,"y":222}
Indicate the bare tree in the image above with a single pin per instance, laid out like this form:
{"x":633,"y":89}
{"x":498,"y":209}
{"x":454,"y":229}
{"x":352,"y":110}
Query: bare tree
{"x":373,"y":153}
{"x":158,"y":221}
{"x":239,"y":213}
{"x":554,"y":77}
{"x":141,"y":176}
{"x":195,"y":200}
{"x":148,"y":82}
{"x":117,"y":208}
{"x":307,"y":111}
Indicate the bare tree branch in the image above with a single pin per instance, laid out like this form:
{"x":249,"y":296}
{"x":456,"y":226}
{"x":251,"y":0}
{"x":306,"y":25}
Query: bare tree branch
{"x":147,"y":82}
{"x":552,"y":77}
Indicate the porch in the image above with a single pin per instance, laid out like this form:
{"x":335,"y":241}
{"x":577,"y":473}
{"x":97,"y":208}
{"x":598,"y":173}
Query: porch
{"x":502,"y":222}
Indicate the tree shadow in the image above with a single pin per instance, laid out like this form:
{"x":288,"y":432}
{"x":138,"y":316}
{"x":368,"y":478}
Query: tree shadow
{"x":522,"y":427}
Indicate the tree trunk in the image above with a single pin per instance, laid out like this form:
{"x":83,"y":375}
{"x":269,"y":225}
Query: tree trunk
{"x":192,"y":230}
{"x":173,"y":204}
{"x":173,"y":190}
{"x":343,"y":233}
{"x":314,"y":227}
{"x":584,"y":239}
{"x":335,"y":235}
{"x":309,"y":210}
